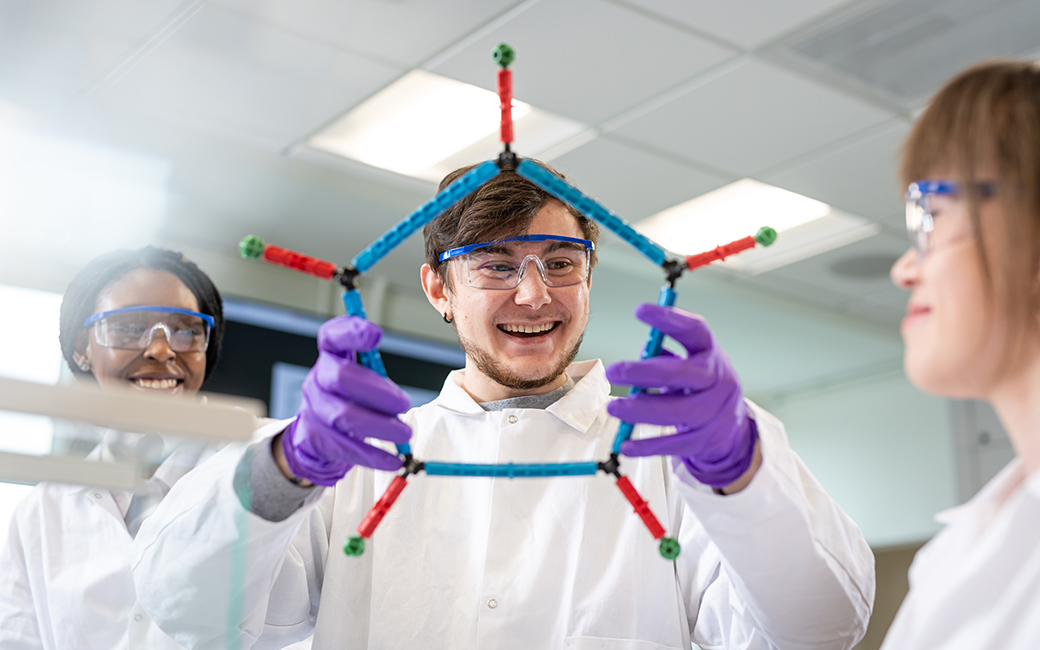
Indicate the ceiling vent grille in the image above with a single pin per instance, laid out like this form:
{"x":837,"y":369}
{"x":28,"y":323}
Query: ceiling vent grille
{"x":906,"y":49}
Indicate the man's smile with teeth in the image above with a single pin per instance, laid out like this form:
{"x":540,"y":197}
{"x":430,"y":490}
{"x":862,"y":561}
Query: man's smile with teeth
{"x":528,"y":329}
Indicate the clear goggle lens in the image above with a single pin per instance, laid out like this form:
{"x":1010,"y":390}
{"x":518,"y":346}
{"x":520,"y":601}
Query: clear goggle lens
{"x":504,"y":265}
{"x":919,"y":223}
{"x":926,"y":198}
{"x":134,"y":329}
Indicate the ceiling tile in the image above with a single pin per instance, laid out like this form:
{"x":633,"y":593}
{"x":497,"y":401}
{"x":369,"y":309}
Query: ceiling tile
{"x":747,"y":23}
{"x":587,"y":59}
{"x":223,"y":73}
{"x":405,"y":33}
{"x":860,"y":177}
{"x":906,"y":49}
{"x":632,"y":183}
{"x":753,"y":117}
{"x":65,"y":46}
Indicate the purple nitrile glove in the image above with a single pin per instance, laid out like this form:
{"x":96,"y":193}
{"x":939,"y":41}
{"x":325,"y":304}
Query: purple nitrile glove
{"x":700,"y":395}
{"x":344,"y":403}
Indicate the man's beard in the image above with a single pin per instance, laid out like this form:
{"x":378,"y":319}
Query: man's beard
{"x":501,"y":375}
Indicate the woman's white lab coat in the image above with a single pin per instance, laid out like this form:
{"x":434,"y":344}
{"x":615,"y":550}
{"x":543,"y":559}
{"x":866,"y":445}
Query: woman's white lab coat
{"x":976,"y":585}
{"x":476,"y":563}
{"x":65,"y":568}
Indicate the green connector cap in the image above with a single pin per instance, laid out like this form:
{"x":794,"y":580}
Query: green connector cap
{"x":251,"y":247}
{"x":355,"y":546}
{"x":503,"y":55}
{"x":765,"y":236}
{"x":670,"y":548}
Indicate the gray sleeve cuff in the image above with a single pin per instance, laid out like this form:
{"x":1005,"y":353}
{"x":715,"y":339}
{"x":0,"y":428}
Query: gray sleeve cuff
{"x":264,"y":490}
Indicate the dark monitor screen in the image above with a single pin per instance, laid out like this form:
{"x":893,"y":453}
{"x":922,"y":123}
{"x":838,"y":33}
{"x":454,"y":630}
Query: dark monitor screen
{"x":268,"y":350}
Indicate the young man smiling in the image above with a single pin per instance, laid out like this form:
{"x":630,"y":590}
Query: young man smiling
{"x":768,"y":559}
{"x":518,"y":341}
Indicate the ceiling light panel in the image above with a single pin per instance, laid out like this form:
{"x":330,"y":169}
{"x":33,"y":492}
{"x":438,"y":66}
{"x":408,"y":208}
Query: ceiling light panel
{"x":425,"y":125}
{"x":807,"y":227}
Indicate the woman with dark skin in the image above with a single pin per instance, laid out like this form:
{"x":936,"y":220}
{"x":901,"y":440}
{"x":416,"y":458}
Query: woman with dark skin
{"x":150,"y":321}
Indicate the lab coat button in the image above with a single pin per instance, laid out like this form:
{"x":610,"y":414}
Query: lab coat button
{"x":138,"y":617}
{"x":512,"y":419}
{"x":492,"y":603}
{"x":97,"y":495}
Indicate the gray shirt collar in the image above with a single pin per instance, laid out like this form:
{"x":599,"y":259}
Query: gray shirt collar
{"x":543,"y":401}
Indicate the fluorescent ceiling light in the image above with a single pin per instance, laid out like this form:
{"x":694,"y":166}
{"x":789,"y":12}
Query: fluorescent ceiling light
{"x":807,"y":227}
{"x":425,"y":125}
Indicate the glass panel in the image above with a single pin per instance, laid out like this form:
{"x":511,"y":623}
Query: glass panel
{"x":92,"y":466}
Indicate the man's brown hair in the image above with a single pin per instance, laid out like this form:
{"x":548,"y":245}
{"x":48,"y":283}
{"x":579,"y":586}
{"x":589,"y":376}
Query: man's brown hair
{"x":503,"y":207}
{"x":984,"y":125}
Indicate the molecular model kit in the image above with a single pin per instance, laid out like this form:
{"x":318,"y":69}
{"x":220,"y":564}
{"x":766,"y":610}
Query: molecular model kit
{"x":252,"y":247}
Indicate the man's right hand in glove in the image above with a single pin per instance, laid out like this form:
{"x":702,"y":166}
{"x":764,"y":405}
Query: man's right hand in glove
{"x":343,"y":403}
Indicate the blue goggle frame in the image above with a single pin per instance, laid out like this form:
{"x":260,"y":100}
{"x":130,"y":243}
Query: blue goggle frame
{"x":156,"y":308}
{"x":919,"y":220}
{"x":463,"y":250}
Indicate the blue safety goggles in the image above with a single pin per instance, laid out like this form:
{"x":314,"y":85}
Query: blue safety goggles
{"x":920,"y":197}
{"x":132,"y":328}
{"x":502,"y":264}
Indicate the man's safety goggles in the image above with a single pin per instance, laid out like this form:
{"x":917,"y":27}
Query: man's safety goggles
{"x":132,"y":328}
{"x":561,"y":261}
{"x":924,"y":199}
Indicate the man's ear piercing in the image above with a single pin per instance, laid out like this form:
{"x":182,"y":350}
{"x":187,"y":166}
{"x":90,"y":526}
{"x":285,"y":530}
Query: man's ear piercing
{"x":446,"y":318}
{"x":84,"y":365}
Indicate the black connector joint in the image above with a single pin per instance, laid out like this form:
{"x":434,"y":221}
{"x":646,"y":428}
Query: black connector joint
{"x":507,"y":160}
{"x":673,"y":271}
{"x":411,"y":465}
{"x":346,"y":278}
{"x":612,"y":466}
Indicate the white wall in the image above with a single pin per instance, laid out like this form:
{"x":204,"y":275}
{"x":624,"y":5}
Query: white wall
{"x":881,"y":449}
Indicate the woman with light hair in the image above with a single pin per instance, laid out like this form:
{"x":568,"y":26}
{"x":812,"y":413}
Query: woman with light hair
{"x":972,"y":331}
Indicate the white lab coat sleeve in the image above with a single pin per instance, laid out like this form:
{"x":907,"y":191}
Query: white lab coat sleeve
{"x":796,"y":572}
{"x":211,"y":574}
{"x":19,"y":629}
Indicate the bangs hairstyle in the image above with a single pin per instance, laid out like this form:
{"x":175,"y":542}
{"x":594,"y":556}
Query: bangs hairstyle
{"x":502,"y":207}
{"x":80,"y":300}
{"x":984,"y":125}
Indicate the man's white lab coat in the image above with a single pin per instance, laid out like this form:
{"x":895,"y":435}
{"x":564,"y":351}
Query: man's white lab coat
{"x":477,"y":563}
{"x":976,"y":585}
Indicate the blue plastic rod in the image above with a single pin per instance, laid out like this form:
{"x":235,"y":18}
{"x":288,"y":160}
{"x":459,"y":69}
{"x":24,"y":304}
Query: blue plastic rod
{"x":652,"y":349}
{"x":426,"y":213}
{"x":369,"y":358}
{"x":567,"y":193}
{"x":511,"y":470}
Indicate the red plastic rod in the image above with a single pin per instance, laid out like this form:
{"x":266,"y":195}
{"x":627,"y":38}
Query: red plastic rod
{"x":642,"y":507}
{"x":505,"y":97}
{"x":381,"y":507}
{"x":720,"y":253}
{"x":293,"y":260}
